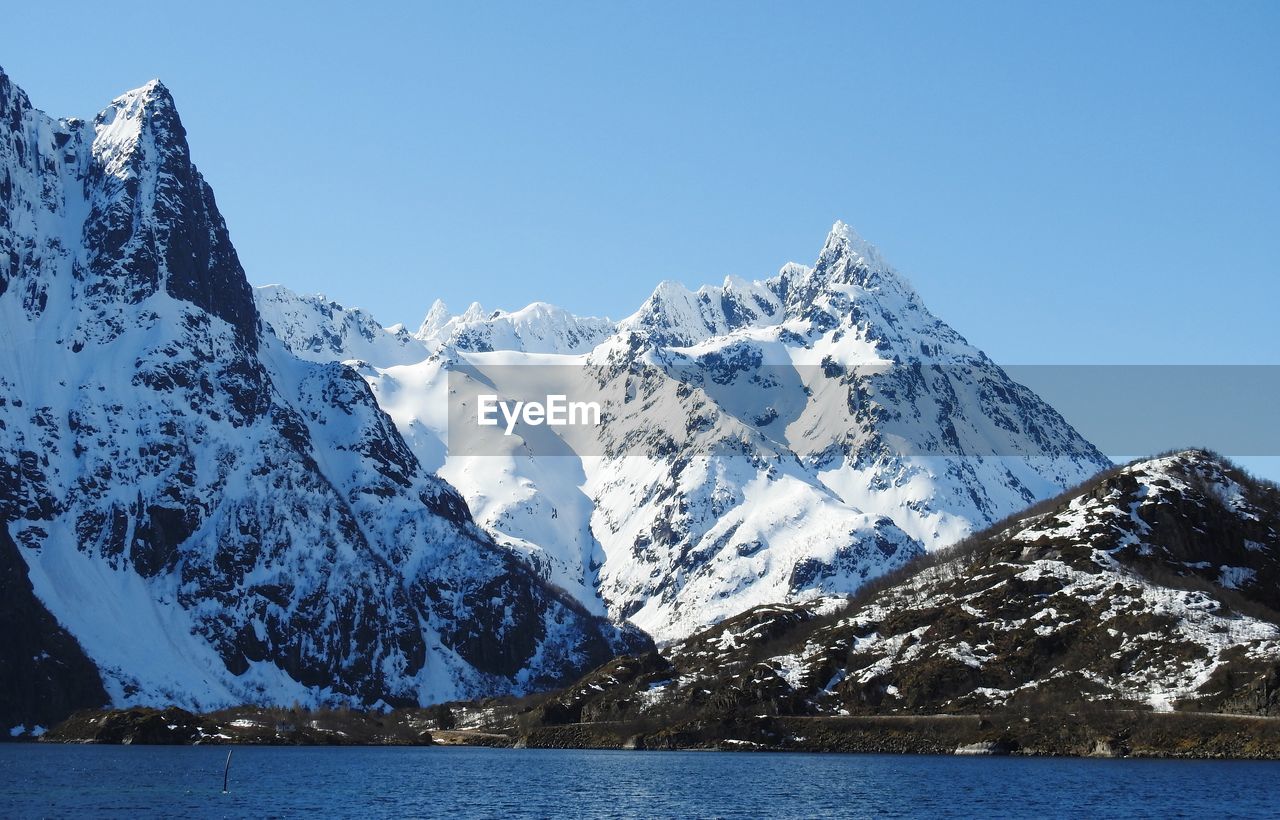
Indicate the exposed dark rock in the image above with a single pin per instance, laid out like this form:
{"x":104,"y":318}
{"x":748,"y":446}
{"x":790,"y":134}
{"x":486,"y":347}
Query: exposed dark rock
{"x":245,"y":725}
{"x":266,"y":502}
{"x":44,"y":674}
{"x":1058,"y":631}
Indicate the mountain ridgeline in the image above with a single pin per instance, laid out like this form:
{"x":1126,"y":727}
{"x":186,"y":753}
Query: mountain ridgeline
{"x":761,"y":442}
{"x":1134,"y":614}
{"x":194,"y":515}
{"x":213,"y":495}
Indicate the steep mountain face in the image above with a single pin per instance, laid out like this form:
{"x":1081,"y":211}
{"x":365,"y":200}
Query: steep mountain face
{"x":761,"y":441}
{"x":212,"y":518}
{"x":44,"y":674}
{"x":1148,"y":588}
{"x":825,"y":395}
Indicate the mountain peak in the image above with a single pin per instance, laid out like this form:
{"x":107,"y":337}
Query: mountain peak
{"x":154,"y":221}
{"x":436,"y":318}
{"x":139,"y":120}
{"x":151,"y":88}
{"x":149,"y":98}
{"x":13,"y":100}
{"x":848,"y":259}
{"x":843,"y":242}
{"x":473,"y":313}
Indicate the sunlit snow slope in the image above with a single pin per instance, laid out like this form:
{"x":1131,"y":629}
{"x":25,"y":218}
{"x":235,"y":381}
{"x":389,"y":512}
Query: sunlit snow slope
{"x":763,"y":441}
{"x":213,"y":518}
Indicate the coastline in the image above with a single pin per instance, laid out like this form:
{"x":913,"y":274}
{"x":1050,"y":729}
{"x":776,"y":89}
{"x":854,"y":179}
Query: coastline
{"x":1115,"y":734}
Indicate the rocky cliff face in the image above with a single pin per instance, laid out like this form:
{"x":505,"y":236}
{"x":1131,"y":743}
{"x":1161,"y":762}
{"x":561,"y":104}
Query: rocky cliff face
{"x":44,"y":674}
{"x":1145,"y":589}
{"x":212,"y":518}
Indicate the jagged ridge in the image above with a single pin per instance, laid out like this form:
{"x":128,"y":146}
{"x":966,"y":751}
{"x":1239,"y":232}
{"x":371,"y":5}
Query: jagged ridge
{"x":1147,"y":588}
{"x":745,"y":409}
{"x":214,"y":519}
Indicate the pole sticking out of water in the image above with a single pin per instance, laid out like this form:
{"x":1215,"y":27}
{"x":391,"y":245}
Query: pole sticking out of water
{"x":226,"y":772}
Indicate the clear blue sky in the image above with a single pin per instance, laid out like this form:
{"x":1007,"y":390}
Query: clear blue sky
{"x":1063,"y":182}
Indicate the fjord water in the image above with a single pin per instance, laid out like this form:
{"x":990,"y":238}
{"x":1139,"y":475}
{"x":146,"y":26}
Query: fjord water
{"x":106,"y":781}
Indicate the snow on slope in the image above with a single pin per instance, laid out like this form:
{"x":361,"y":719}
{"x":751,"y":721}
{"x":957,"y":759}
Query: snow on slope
{"x":1106,"y":599}
{"x":764,"y":441}
{"x":536,"y":328}
{"x":323,"y":331}
{"x":1112,"y":594}
{"x":534,"y":506}
{"x":213,"y":518}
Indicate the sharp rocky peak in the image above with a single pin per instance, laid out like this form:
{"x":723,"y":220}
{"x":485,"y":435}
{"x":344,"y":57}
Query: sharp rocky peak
{"x":436,"y":318}
{"x":140,"y":218}
{"x":13,"y":100}
{"x":849,"y":270}
{"x":257,"y":516}
{"x":153,"y":218}
{"x":846,"y":260}
{"x":844,"y":241}
{"x":152,"y":95}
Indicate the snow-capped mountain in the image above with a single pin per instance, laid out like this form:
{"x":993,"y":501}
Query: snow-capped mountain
{"x":1152,"y":584}
{"x":212,"y":518}
{"x":1151,"y":587}
{"x":537,"y":328}
{"x":762,"y":441}
{"x":320,"y":330}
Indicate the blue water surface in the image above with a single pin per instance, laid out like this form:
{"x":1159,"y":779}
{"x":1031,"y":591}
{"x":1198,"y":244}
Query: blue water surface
{"x":180,"y":781}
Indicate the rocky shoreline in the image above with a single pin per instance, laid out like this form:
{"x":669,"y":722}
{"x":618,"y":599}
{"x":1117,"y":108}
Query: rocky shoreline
{"x":1103,"y":734}
{"x":1144,"y":735}
{"x":1135,"y":616}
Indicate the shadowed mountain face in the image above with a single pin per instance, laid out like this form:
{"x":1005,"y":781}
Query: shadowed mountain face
{"x":44,"y":674}
{"x":1150,"y":587}
{"x":212,"y":519}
